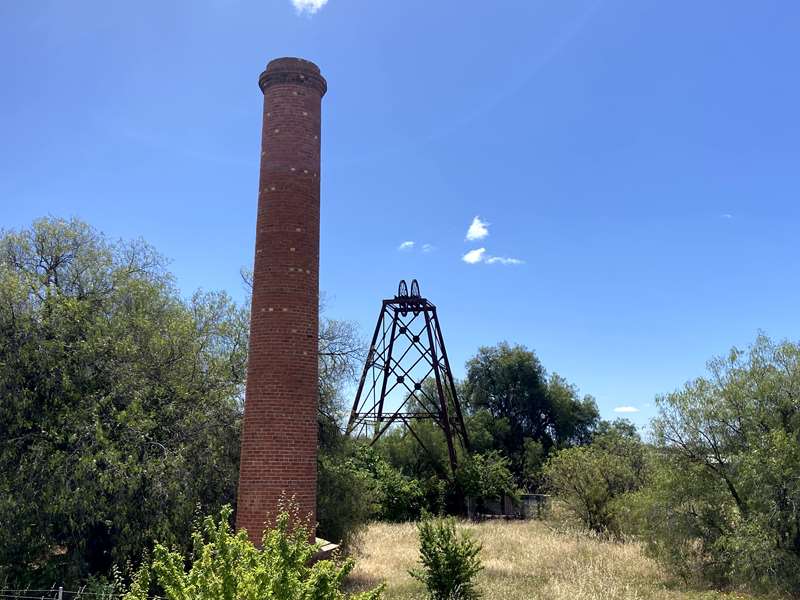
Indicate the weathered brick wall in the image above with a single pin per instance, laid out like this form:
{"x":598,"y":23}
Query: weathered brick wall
{"x":279,"y":439}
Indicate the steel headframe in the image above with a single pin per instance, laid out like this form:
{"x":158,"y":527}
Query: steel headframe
{"x":407,"y":348}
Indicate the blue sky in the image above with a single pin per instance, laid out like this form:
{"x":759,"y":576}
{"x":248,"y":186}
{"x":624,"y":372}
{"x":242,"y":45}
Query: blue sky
{"x":640,"y":161}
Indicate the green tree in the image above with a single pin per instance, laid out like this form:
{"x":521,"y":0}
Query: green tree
{"x":405,"y":453}
{"x":341,"y":354}
{"x":515,"y":407}
{"x":486,"y":477}
{"x":572,"y":419}
{"x":424,"y":456}
{"x":398,"y":497}
{"x":533,"y":460}
{"x":594,"y":480}
{"x":725,"y":492}
{"x":348,"y":495}
{"x":119,"y":401}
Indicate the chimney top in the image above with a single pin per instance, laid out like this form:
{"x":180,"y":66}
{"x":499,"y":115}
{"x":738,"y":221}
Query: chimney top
{"x":293,"y":70}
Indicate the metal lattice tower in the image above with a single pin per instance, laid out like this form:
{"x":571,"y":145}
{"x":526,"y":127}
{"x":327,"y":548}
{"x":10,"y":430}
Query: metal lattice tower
{"x":407,"y":349}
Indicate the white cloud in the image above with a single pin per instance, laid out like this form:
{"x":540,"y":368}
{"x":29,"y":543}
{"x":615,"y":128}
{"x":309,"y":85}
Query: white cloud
{"x":727,"y":216}
{"x":474,"y":256}
{"x":408,"y":245}
{"x":428,"y":247}
{"x":503,"y":260}
{"x":308,"y":7}
{"x":479,"y":255}
{"x":626,"y":409}
{"x":477,"y":230}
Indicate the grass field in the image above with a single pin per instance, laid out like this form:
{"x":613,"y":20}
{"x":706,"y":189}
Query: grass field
{"x":527,"y":560}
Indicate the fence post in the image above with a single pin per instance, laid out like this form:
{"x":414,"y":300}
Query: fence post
{"x":60,"y":593}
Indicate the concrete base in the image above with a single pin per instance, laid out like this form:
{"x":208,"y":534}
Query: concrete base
{"x":325,"y":551}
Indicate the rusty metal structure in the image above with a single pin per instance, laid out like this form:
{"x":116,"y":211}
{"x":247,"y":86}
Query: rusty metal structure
{"x":407,"y":350}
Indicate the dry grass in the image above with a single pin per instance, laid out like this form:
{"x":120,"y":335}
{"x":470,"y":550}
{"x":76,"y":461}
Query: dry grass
{"x":526,"y":560}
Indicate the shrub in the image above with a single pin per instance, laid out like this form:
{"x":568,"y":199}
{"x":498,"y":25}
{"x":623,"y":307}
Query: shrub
{"x":400,"y":498}
{"x":721,"y":501}
{"x":347,"y":498}
{"x":227,"y":566}
{"x":437,"y":495}
{"x":486,"y":477}
{"x":593,"y":481}
{"x":450,"y":561}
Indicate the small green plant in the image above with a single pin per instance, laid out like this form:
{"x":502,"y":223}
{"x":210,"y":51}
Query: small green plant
{"x":449,"y":560}
{"x":227,"y":566}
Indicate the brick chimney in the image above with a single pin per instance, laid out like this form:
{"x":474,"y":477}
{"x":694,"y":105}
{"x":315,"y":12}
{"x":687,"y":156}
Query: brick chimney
{"x":279,"y":437}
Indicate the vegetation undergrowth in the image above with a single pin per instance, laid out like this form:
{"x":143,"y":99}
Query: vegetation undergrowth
{"x":532,"y":560}
{"x":226,"y":566}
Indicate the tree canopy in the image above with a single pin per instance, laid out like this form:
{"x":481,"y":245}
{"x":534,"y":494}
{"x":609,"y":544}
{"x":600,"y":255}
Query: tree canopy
{"x":594,"y":480}
{"x":119,"y":400}
{"x":515,"y":407}
{"x":725,"y":489}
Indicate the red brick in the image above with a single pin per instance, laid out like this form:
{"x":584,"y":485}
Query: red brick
{"x":279,"y":437}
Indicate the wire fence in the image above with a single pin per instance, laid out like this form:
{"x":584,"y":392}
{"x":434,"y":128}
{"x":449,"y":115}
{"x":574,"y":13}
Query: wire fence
{"x":59,"y":593}
{"x":56,"y":593}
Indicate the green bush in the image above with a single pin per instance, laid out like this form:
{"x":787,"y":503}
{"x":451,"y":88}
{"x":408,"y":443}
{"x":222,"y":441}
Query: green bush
{"x":486,"y":477}
{"x":399,"y":498}
{"x":347,"y":498}
{"x":721,"y":502}
{"x":227,"y":566}
{"x":437,"y":495}
{"x":450,"y":561}
{"x":594,"y":481}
